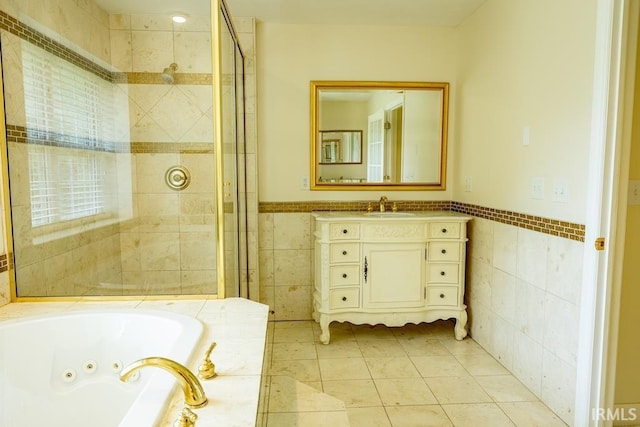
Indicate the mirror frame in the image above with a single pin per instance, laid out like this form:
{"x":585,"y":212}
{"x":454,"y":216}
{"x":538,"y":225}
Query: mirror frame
{"x":322,"y":141}
{"x":318,"y":85}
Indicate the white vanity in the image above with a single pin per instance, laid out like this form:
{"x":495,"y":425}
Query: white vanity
{"x":391,"y":268}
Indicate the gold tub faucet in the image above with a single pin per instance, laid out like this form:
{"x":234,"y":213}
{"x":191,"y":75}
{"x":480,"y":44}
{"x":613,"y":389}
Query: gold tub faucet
{"x":193,"y":393}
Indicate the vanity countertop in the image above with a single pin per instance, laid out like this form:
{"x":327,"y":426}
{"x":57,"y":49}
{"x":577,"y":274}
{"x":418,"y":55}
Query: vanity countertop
{"x":400,"y":215}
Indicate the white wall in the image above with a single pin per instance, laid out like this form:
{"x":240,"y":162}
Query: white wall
{"x":293,"y":55}
{"x":525,"y":63}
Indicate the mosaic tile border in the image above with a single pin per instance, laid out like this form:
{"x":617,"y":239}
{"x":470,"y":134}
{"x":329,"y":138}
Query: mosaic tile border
{"x":4,"y":263}
{"x":172,"y":148}
{"x":360,"y":205}
{"x":201,"y":79}
{"x":554,"y":227}
{"x":564,"y":229}
{"x":22,"y":135}
{"x":36,"y":38}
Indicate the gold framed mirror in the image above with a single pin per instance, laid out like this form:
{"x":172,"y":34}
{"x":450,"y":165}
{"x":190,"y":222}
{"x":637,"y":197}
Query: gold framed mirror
{"x":403,"y":128}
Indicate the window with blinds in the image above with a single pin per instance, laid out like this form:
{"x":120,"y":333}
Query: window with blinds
{"x":68,"y":119}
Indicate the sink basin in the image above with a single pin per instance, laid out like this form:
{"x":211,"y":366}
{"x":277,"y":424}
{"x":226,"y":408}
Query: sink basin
{"x":389,"y":214}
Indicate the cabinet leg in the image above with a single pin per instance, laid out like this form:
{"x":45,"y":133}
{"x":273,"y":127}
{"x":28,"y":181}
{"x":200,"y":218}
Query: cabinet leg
{"x":324,"y":328}
{"x":460,"y":329}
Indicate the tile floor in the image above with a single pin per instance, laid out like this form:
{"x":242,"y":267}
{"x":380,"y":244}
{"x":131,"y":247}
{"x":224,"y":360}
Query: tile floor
{"x":416,"y":375}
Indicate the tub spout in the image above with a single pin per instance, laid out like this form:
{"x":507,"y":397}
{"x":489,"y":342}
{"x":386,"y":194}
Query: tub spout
{"x":193,"y":393}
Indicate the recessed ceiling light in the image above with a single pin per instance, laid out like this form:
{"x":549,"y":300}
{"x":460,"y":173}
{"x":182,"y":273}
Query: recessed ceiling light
{"x":179,"y":19}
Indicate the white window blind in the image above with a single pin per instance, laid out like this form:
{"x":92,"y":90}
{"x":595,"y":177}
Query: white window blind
{"x":68,"y":118}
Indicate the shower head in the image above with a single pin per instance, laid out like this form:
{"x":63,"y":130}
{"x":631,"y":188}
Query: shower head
{"x":167,"y":73}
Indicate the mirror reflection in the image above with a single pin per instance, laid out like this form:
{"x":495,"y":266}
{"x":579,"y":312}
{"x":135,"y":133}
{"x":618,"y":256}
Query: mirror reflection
{"x":402,"y":128}
{"x":340,"y":146}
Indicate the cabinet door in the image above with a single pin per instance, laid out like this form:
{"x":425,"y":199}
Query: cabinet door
{"x":394,"y":275}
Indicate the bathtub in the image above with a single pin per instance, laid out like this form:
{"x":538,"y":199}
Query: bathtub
{"x":63,"y":370}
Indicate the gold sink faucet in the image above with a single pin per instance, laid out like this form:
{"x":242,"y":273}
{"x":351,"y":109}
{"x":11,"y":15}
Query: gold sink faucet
{"x":383,"y":200}
{"x":193,"y":393}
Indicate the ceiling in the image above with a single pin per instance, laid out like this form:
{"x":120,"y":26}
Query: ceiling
{"x":340,"y":12}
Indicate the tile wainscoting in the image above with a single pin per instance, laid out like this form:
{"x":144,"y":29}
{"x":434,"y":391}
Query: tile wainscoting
{"x":524,"y":280}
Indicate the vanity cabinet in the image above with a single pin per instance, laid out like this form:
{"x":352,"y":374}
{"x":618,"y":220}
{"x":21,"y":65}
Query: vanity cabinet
{"x":391,"y":269}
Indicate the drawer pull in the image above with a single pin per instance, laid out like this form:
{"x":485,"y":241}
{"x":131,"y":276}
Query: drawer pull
{"x":344,"y":298}
{"x":444,"y":230}
{"x":442,"y":273}
{"x":345,"y":231}
{"x":344,"y":252}
{"x":344,"y":275}
{"x":441,"y":295}
{"x":444,"y":251}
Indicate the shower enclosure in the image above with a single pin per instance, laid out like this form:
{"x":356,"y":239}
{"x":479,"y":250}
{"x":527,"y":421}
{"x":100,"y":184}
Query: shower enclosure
{"x":126,"y":148}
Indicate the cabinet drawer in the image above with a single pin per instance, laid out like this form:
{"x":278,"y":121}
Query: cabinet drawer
{"x":442,"y":295}
{"x":443,"y":273}
{"x":344,"y":298}
{"x":344,"y":252}
{"x":444,"y":230}
{"x":344,"y":231}
{"x":444,"y":251}
{"x":341,"y":275}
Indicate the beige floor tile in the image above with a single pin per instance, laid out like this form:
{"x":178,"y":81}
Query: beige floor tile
{"x":354,"y":393}
{"x":381,"y":348}
{"x":338,"y":332}
{"x":301,"y":370}
{"x":438,"y":366}
{"x":289,"y":395}
{"x":289,"y":324}
{"x":457,"y":390}
{"x":404,"y":391}
{"x":391,"y":367}
{"x":531,"y":414}
{"x":308,"y":419}
{"x":300,"y":334}
{"x":350,"y":368}
{"x":374,"y":416}
{"x":418,"y":416}
{"x":505,"y":388}
{"x":423,"y":346}
{"x":372,"y":332}
{"x":466,"y":346}
{"x":294,"y":351}
{"x":481,"y":364}
{"x":477,"y":415}
{"x":338,"y":349}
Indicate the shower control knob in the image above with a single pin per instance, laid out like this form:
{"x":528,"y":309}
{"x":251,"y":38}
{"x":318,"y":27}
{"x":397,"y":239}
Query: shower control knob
{"x":177,"y":177}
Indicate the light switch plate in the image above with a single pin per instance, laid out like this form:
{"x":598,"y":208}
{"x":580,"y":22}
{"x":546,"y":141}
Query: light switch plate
{"x":633,"y":197}
{"x":537,"y":187}
{"x":560,"y":190}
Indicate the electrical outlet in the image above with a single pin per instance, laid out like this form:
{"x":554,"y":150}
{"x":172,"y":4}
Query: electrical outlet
{"x":633,"y":197}
{"x":304,"y":182}
{"x":537,"y":187}
{"x":468,"y":185}
{"x":560,"y":190}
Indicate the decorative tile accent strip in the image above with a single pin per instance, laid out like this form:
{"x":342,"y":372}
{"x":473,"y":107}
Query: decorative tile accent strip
{"x":172,"y":147}
{"x":33,"y":36}
{"x":567,"y":230}
{"x":22,"y":135}
{"x":403,"y":205}
{"x":4,"y":263}
{"x":178,"y":79}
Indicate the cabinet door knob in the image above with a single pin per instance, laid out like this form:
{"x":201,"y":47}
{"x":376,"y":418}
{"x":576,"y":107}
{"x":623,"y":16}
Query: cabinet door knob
{"x":444,"y":230}
{"x":444,"y":251}
{"x":344,"y":231}
{"x":441,"y":295}
{"x":442,"y":273}
{"x":344,"y":275}
{"x":344,"y":298}
{"x":344,"y":252}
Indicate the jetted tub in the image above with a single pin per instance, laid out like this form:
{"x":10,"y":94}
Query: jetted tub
{"x":63,"y":370}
